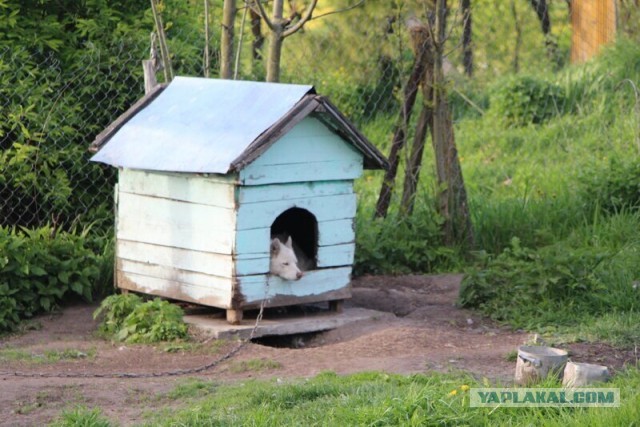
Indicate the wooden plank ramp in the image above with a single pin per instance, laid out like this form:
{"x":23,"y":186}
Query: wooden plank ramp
{"x":216,"y":326}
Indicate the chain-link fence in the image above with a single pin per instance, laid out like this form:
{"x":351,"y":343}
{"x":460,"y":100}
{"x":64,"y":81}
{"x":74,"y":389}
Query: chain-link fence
{"x":54,"y":101}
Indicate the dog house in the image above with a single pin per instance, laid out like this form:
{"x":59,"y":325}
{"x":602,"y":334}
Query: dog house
{"x":210,"y":169}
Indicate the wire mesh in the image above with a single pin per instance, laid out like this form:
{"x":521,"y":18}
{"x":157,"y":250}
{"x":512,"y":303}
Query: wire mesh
{"x":52,"y":105}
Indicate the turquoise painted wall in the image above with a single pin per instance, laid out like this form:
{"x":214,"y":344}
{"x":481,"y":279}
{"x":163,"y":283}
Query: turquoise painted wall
{"x":309,"y":152}
{"x":310,"y":168}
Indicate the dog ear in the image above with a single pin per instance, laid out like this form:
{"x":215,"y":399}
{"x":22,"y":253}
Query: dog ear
{"x":289,"y":243}
{"x":275,"y":246}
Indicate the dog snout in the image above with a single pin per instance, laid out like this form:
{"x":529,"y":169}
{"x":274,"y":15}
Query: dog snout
{"x":299,"y":275}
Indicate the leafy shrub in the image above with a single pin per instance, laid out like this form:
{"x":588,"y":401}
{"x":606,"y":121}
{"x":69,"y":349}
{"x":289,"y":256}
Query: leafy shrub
{"x":613,"y":187}
{"x":555,"y":284}
{"x":39,"y":268}
{"x":82,"y":416}
{"x":523,"y":100}
{"x":114,"y":309}
{"x":127,"y":318}
{"x":398,"y":244}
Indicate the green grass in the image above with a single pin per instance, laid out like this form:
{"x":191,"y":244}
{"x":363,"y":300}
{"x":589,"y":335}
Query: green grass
{"x":619,"y":329}
{"x":212,"y":347}
{"x":191,"y":388}
{"x":254,"y":365}
{"x":82,"y":417}
{"x":569,"y":283}
{"x":47,"y":356}
{"x":382,"y":399}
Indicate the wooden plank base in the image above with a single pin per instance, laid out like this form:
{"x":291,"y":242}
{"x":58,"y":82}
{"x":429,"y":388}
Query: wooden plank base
{"x":337,"y":305}
{"x":234,"y":317}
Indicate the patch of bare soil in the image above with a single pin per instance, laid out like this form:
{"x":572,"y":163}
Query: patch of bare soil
{"x":426,"y":332}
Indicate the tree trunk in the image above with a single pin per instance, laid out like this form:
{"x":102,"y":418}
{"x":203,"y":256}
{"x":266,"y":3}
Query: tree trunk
{"x":227,"y":39}
{"x":162,"y":41}
{"x":279,"y":31}
{"x":275,"y":52}
{"x":518,"y":43}
{"x":258,"y":38}
{"x":453,"y":196}
{"x":418,"y":37}
{"x":467,"y":47}
{"x":206,"y":59}
{"x":414,"y":163}
{"x":275,"y":42}
{"x":542,"y":11}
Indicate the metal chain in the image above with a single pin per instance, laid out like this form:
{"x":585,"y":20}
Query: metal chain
{"x":173,"y":373}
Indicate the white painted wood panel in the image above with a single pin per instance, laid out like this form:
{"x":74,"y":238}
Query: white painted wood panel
{"x":173,"y":223}
{"x":184,"y":259}
{"x":328,"y":208}
{"x":255,"y":289}
{"x":193,"y":188}
{"x":215,"y":285}
{"x":174,"y":289}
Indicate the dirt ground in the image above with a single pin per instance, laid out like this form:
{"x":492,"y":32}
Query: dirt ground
{"x":421,"y":331}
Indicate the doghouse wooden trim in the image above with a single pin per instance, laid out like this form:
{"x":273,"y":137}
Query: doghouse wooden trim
{"x":315,"y":286}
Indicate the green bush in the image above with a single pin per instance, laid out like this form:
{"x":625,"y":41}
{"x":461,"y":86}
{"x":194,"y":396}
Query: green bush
{"x":82,"y":416}
{"x":127,"y":318}
{"x":114,"y":309}
{"x":557,"y":284}
{"x":615,"y":186}
{"x":524,"y":100}
{"x":398,"y":244}
{"x":39,"y":268}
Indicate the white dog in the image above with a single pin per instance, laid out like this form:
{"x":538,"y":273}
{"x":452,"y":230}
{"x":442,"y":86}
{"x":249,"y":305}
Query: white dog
{"x":287,"y":259}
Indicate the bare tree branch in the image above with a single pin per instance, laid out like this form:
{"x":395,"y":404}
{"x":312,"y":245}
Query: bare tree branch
{"x":263,"y":15}
{"x":206,"y":60}
{"x":227,"y":38}
{"x":239,"y":50}
{"x":164,"y":50}
{"x":344,"y":9}
{"x":453,"y":27}
{"x":306,"y":17}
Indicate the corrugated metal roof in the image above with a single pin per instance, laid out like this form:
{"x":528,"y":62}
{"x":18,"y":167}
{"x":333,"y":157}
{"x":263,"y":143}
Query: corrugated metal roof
{"x":199,"y":125}
{"x":202,"y":125}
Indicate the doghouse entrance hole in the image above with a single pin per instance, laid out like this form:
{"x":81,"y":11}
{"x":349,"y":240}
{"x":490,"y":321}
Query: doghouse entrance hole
{"x":302,"y":226}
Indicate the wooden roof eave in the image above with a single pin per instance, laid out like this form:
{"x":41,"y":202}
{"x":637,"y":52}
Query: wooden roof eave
{"x":373,"y":158}
{"x":103,"y":137}
{"x":329,"y":115}
{"x":302,"y":109}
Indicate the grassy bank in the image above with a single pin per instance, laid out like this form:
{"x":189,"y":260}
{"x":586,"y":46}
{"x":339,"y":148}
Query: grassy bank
{"x":364,"y":399}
